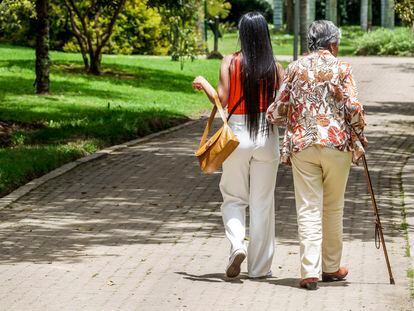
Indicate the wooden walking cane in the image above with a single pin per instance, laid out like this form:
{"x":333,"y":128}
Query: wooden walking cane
{"x":378,"y":227}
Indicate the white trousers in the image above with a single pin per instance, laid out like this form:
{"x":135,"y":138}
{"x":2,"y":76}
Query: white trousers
{"x":320,"y":175}
{"x":249,"y":179}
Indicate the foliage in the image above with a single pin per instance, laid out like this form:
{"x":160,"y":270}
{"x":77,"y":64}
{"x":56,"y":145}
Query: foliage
{"x":139,"y":30}
{"x":351,"y":33}
{"x":405,"y":10}
{"x":220,"y":8}
{"x":17,"y":23}
{"x":240,"y":7}
{"x":15,"y":17}
{"x":386,"y":42}
{"x":182,"y":19}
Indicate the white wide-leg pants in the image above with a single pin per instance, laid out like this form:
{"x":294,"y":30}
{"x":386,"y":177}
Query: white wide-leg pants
{"x":249,"y":179}
{"x":320,"y":175}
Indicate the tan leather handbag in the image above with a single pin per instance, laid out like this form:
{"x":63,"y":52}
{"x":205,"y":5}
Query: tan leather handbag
{"x":212,"y":152}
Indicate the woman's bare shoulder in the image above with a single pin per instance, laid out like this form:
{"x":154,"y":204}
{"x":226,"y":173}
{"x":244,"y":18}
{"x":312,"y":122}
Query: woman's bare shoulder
{"x":227,"y":60}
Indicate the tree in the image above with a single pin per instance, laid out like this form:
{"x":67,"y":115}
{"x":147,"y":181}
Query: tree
{"x":240,"y":7}
{"x":405,"y":10}
{"x":17,"y":20}
{"x":364,"y":14}
{"x":332,"y":11}
{"x":42,"y":47}
{"x":307,"y":16}
{"x":277,"y":15}
{"x":289,"y":16}
{"x":387,"y":13}
{"x":92,"y":24}
{"x":182,"y":17}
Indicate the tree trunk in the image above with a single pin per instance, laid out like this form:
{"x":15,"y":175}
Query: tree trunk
{"x":311,"y":6}
{"x":390,"y":14}
{"x":387,"y":13}
{"x":95,"y":65}
{"x":289,"y":16}
{"x":303,"y":26}
{"x":175,"y":43}
{"x":331,"y":12}
{"x":42,"y":47}
{"x":277,"y":15}
{"x":307,"y":16}
{"x":364,"y":15}
{"x":369,"y":15}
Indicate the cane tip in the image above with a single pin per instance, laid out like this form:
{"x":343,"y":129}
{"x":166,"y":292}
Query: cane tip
{"x":392,"y":282}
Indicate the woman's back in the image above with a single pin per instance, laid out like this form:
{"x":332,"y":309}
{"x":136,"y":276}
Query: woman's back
{"x":236,"y":87}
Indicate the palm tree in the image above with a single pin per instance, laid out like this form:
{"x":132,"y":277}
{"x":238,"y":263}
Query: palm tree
{"x":332,"y":11}
{"x":387,"y":13}
{"x":307,"y":16}
{"x":289,"y":16}
{"x":364,"y":14}
{"x":277,"y":14}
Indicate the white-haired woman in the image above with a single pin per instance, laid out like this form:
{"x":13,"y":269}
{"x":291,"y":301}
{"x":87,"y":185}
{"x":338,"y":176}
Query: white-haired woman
{"x":317,"y":103}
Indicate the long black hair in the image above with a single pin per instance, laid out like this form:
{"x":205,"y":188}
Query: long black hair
{"x":258,"y":69}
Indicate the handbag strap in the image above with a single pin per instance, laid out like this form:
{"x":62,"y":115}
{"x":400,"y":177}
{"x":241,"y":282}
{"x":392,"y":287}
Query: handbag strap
{"x":217,"y":107}
{"x":234,"y":108}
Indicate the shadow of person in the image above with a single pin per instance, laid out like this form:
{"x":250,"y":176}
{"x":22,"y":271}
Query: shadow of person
{"x":343,"y":283}
{"x":213,"y":277}
{"x":290,"y":282}
{"x":294,"y":282}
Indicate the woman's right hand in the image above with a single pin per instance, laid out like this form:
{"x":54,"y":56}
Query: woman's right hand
{"x":198,"y":83}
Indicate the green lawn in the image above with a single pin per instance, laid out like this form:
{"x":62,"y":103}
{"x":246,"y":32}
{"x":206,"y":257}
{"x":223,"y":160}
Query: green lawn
{"x":229,"y":43}
{"x":283,"y":43}
{"x":135,"y":96}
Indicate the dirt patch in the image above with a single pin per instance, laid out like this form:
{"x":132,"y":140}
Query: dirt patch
{"x":105,"y":72}
{"x":8,"y":127}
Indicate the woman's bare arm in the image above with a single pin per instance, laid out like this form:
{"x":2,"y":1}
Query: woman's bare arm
{"x":223,"y":88}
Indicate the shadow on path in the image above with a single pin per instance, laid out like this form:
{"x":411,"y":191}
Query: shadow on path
{"x":154,"y":194}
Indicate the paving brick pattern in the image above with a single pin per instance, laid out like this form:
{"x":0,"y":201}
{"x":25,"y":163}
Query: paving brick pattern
{"x":140,"y":228}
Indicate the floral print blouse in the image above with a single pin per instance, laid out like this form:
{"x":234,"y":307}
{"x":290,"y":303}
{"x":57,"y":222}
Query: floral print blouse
{"x":318,"y":104}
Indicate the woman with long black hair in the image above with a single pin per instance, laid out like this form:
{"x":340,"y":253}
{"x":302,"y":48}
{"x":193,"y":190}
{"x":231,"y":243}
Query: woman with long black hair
{"x":248,"y":83}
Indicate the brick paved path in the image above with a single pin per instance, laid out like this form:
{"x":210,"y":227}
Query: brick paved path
{"x":140,"y":229}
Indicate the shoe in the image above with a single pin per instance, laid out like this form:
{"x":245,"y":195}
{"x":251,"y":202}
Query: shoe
{"x":309,"y":283}
{"x":235,"y":261}
{"x":335,"y":276}
{"x":267,"y":275}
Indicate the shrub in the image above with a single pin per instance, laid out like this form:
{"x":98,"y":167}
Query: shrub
{"x":386,"y":42}
{"x":139,"y":29}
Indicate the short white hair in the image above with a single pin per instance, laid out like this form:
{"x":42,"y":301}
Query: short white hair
{"x":321,"y":33}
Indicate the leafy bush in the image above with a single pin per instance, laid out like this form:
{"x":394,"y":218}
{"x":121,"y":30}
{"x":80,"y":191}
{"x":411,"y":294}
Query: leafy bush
{"x":386,"y":42}
{"x":139,"y":29}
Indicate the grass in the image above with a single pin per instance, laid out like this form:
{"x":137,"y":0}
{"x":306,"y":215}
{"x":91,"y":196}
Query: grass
{"x":283,"y":43}
{"x":410,"y":276}
{"x":135,"y":96}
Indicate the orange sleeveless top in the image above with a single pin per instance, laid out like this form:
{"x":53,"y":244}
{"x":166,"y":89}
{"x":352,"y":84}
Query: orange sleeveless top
{"x":236,"y":88}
